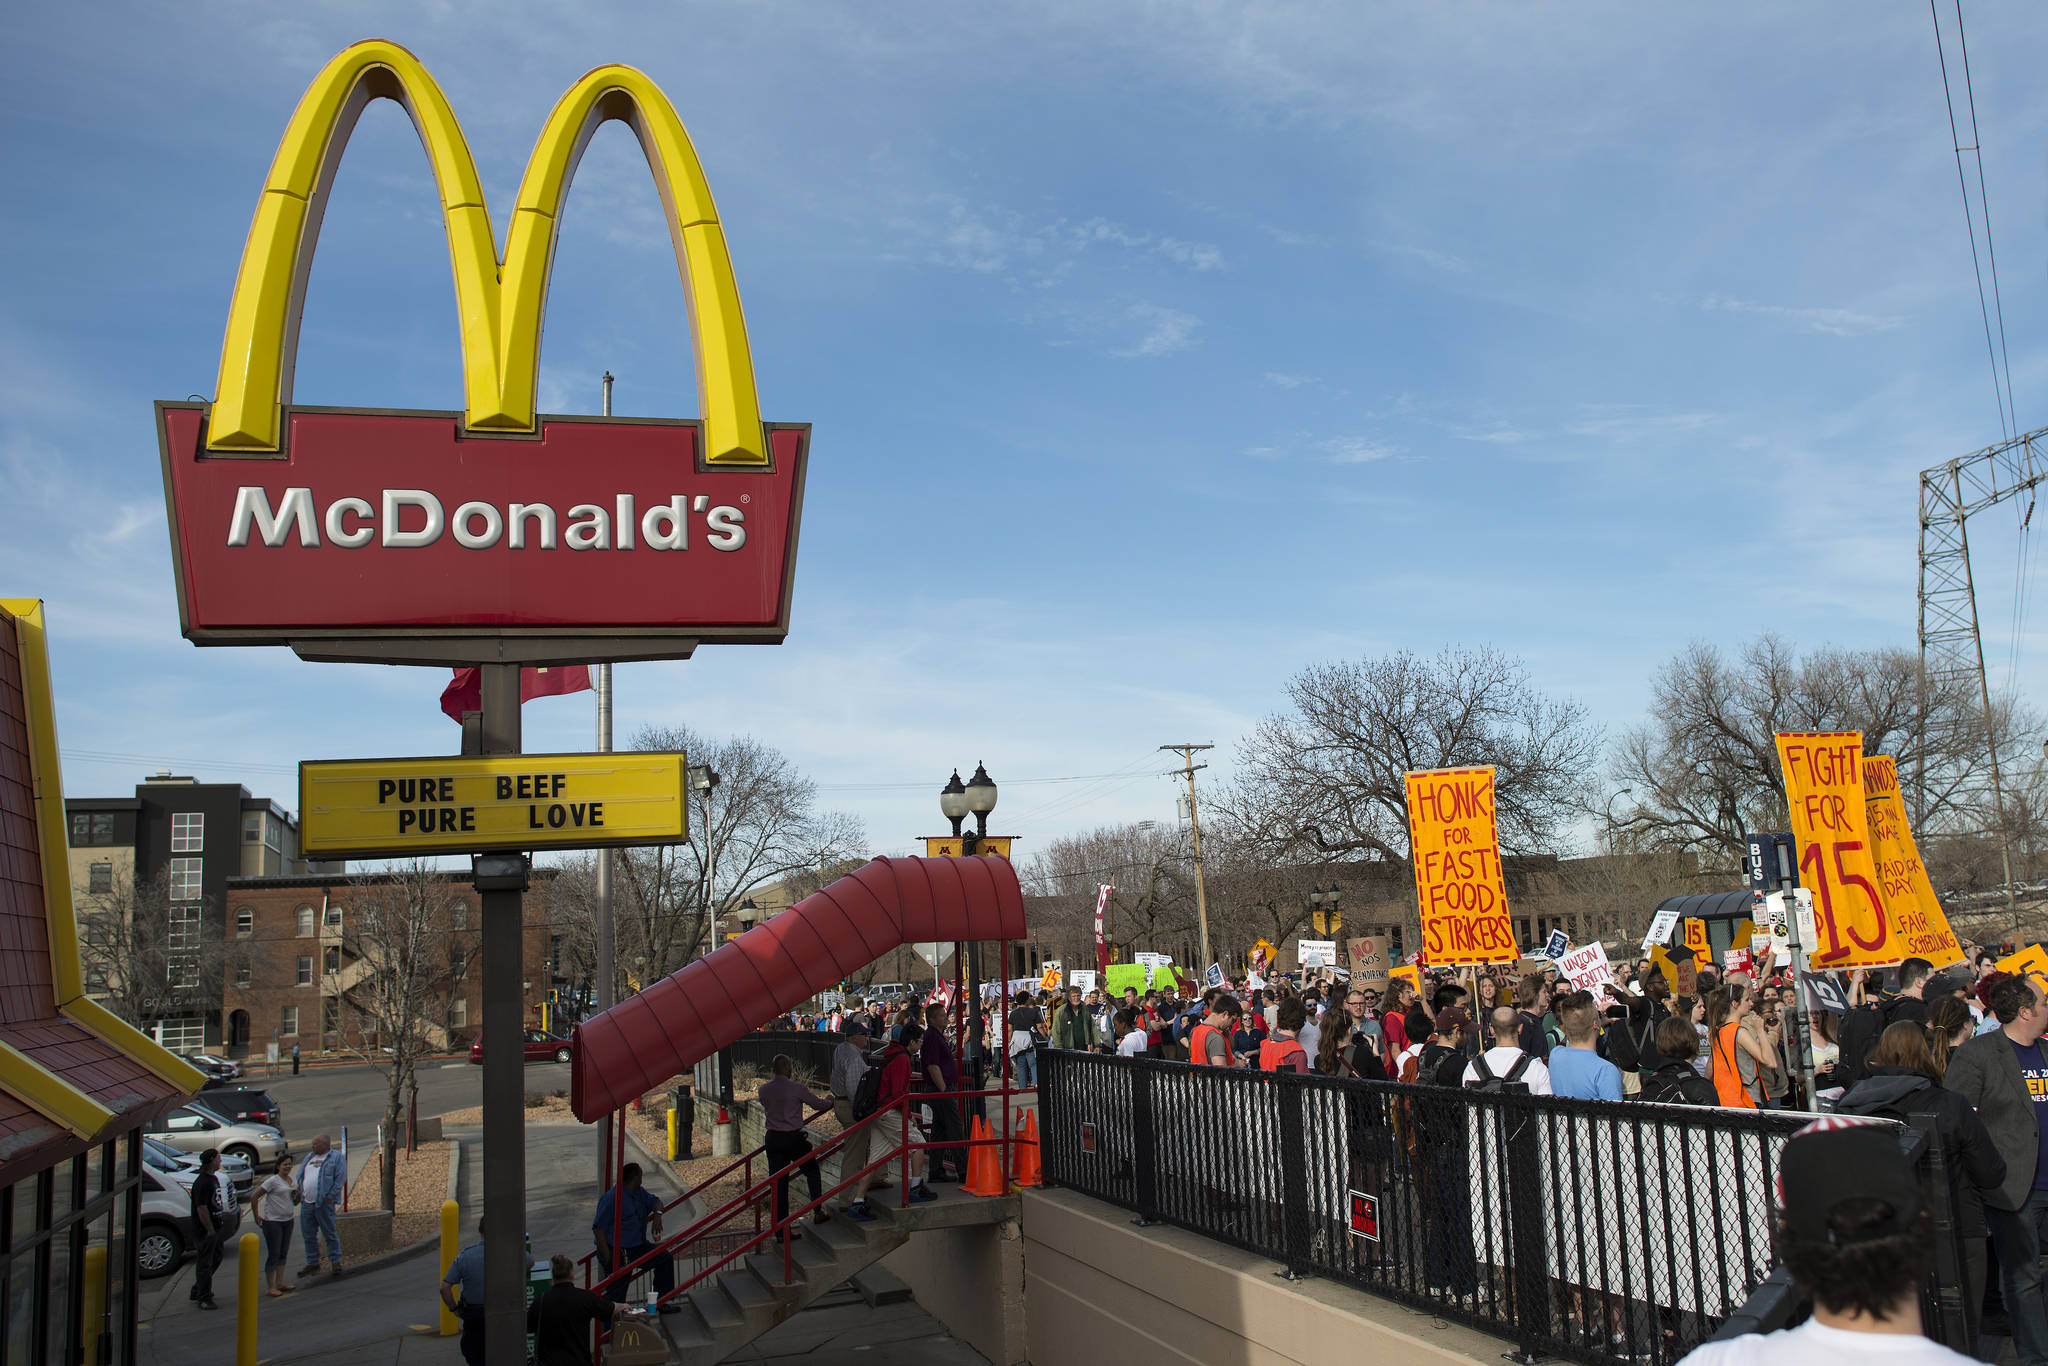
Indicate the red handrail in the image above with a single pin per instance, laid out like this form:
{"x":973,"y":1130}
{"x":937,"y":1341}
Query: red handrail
{"x":756,"y":1191}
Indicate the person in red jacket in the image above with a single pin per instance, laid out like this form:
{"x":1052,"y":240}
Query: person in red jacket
{"x":898,"y":1070}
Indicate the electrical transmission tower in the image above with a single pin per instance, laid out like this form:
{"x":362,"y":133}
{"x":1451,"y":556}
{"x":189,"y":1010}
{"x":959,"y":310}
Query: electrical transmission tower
{"x":1951,"y":647}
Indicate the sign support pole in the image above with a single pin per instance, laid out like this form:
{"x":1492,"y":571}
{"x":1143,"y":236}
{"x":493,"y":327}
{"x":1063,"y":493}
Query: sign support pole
{"x":606,"y":973}
{"x":504,"y":1067}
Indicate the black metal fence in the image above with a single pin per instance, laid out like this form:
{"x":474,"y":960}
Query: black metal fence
{"x":1587,"y":1230}
{"x":810,"y":1050}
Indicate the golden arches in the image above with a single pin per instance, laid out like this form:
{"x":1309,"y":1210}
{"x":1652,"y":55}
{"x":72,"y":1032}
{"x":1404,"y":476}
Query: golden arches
{"x":500,"y":302}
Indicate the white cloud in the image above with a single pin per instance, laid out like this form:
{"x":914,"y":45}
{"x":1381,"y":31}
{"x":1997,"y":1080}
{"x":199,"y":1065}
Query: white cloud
{"x":1833,"y":322}
{"x":1166,"y":330}
{"x":1279,"y":379}
{"x":1357,"y":450}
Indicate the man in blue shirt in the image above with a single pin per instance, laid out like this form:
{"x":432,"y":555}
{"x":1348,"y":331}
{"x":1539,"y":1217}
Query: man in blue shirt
{"x":462,"y":1290}
{"x":638,"y":1224}
{"x":1577,"y":1069}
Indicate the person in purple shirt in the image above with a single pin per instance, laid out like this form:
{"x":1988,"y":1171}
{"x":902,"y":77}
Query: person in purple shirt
{"x":784,"y":1100}
{"x":939,"y":1069}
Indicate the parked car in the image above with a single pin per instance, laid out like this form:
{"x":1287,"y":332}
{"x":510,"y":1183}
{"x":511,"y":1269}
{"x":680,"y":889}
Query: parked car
{"x":541,"y":1046}
{"x":166,"y":1234}
{"x":245,"y":1107}
{"x":194,"y":1128}
{"x":161,"y":1155}
{"x":218,"y":1070}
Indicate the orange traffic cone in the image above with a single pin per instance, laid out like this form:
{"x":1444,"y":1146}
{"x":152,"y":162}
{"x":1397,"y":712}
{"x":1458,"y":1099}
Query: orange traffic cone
{"x":984,"y":1168}
{"x":1028,"y":1173}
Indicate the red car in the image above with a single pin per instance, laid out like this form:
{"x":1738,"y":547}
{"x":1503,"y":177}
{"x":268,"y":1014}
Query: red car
{"x":540,"y":1047}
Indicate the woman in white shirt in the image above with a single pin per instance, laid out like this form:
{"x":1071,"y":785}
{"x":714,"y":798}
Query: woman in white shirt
{"x":274,"y":1201}
{"x":1131,"y":1040}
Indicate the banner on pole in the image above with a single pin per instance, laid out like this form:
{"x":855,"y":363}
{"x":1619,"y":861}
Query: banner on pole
{"x":1824,"y":788}
{"x":1455,"y":847}
{"x":1909,"y":901}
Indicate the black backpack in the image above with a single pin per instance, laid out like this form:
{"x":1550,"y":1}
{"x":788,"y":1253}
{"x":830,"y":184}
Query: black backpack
{"x":1513,"y":1082}
{"x":867,"y":1097}
{"x":1860,"y":1028}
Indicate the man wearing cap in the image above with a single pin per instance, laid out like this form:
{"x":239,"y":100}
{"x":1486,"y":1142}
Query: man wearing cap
{"x":849,"y":1064}
{"x":1854,"y":1232}
{"x":2005,"y":1075}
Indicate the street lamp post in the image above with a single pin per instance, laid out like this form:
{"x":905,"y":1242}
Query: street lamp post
{"x":957,"y":801}
{"x":703,"y":778}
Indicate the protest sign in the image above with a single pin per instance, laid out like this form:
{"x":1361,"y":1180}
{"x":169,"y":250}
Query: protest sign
{"x":1459,"y":893}
{"x":1559,"y":943}
{"x":1049,"y":975}
{"x":1696,"y":940}
{"x":1661,"y":926}
{"x":1738,"y":960}
{"x":1587,"y":968}
{"x":1909,"y":901}
{"x":1369,"y":960}
{"x":1778,"y":921}
{"x":1412,"y":976}
{"x":1317,"y":953}
{"x":1083,"y":978}
{"x":1214,"y":976}
{"x":2032,"y":959}
{"x":1122,"y":976}
{"x":1824,"y":788}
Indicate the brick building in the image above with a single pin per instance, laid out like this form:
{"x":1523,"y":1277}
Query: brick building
{"x":303,"y":969}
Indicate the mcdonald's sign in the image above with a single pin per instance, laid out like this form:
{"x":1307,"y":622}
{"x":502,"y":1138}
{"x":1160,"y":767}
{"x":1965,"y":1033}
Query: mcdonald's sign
{"x":493,"y":533}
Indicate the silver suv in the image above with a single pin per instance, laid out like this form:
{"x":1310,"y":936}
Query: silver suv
{"x":193,"y":1129}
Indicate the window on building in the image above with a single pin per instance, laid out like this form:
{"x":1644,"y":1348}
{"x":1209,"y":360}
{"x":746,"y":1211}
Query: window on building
{"x":182,"y":926}
{"x":91,"y":827}
{"x":242,"y":973}
{"x":305,"y":922}
{"x":252,"y":826}
{"x":330,"y":1016}
{"x":288,"y":1022}
{"x":245,"y":923}
{"x":458,"y":1012}
{"x":188,"y":832}
{"x":100,"y":877}
{"x":185,"y":878}
{"x":333,"y":963}
{"x":458,"y":916}
{"x":333,"y":915}
{"x":184,"y":971}
{"x":183,"y":1034}
{"x":305,"y":969}
{"x":273,"y":832}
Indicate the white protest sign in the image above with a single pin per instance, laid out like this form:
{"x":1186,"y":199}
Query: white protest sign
{"x":1661,"y":926}
{"x":1317,"y":953}
{"x":1255,"y":982}
{"x":1587,"y":968}
{"x":1083,"y":978}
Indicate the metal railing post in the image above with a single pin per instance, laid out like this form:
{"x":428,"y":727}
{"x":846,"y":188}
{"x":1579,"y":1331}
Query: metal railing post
{"x":1528,"y":1238}
{"x":1293,"y":1155}
{"x":1144,"y":1146}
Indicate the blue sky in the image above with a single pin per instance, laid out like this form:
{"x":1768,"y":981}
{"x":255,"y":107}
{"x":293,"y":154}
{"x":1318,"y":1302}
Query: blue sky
{"x":1153,"y":351}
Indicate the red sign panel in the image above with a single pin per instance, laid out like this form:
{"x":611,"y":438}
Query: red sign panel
{"x":380,"y":525}
{"x":1365,"y":1216}
{"x":1088,"y":1139}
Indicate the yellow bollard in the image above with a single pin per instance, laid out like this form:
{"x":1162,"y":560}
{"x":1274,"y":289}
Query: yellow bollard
{"x":673,"y":1130}
{"x":450,"y":1216}
{"x":248,"y":1289}
{"x":95,"y":1299}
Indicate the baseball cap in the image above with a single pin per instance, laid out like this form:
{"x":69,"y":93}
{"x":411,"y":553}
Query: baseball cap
{"x":856,"y":1025}
{"x":1845,"y":1158}
{"x":1450,"y":1018}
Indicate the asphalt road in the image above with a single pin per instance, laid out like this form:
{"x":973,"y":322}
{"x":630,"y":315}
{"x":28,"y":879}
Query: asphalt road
{"x":323,"y":1099}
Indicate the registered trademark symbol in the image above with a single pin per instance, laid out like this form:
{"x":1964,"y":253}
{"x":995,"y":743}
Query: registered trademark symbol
{"x":746,"y":498}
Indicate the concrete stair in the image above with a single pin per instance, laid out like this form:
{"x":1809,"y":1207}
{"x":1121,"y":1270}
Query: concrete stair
{"x":750,"y":1295}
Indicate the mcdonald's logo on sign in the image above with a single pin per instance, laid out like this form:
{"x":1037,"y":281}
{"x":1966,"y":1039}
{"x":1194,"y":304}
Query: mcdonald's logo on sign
{"x":343,"y":531}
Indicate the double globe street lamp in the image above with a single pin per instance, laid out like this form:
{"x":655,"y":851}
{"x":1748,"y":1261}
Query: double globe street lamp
{"x":957,"y":801}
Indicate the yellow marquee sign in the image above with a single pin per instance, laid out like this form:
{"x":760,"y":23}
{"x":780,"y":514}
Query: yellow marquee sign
{"x":371,"y":808}
{"x":498,"y":302}
{"x":950,"y":846}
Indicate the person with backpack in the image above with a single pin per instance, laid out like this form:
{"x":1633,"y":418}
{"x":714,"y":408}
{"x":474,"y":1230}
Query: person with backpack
{"x":1632,"y":1039}
{"x":889,"y":1083}
{"x":1507,"y":1066}
{"x":1282,"y":1050}
{"x":1531,"y":1035}
{"x":849,"y":1069}
{"x":1444,"y":1059}
{"x":1865,"y":1022}
{"x":1211,"y":1043}
{"x":1676,"y":1081}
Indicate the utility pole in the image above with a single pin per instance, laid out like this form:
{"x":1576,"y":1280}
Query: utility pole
{"x":607,"y":971}
{"x":1187,"y":770}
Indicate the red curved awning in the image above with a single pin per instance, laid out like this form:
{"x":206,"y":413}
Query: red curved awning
{"x":667,"y":1029}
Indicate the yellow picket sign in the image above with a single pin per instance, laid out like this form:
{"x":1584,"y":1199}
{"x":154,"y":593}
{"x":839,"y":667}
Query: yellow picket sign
{"x":1909,"y":900}
{"x":2031,"y":959}
{"x":1824,"y":788}
{"x":1455,"y":846}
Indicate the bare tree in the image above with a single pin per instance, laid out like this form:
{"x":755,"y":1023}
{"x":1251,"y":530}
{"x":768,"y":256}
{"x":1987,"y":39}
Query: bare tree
{"x":1326,"y":778}
{"x":1149,"y":868}
{"x":764,"y":826}
{"x":1704,"y":770}
{"x":147,"y":957}
{"x":396,"y":928}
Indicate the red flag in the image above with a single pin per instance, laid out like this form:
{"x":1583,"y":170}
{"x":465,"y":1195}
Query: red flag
{"x":1102,"y":892}
{"x":465,"y":692}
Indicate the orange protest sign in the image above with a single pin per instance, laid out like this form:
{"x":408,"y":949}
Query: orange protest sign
{"x":1455,"y":846}
{"x":1696,"y":940}
{"x":2031,"y":959}
{"x":1824,"y":788}
{"x":1909,"y":901}
{"x":1411,"y":975}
